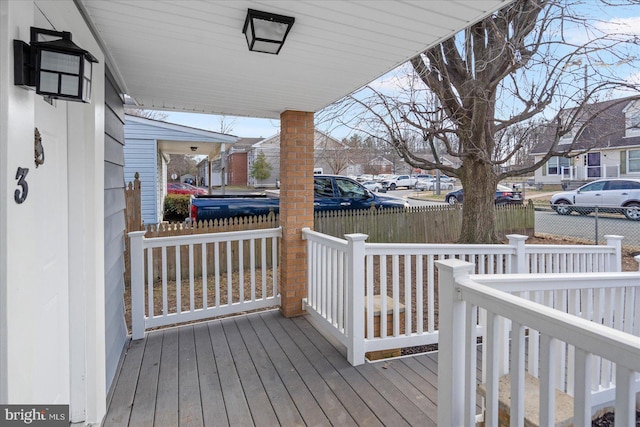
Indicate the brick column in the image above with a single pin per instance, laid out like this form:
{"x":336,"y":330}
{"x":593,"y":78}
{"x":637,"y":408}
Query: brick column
{"x":296,"y":206}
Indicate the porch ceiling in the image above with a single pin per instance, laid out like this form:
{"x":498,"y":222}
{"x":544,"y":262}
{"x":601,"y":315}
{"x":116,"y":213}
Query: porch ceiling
{"x":192,"y":55}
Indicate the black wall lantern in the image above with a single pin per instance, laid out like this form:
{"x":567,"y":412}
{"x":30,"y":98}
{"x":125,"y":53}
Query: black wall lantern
{"x":266,"y":32}
{"x":58,"y":69}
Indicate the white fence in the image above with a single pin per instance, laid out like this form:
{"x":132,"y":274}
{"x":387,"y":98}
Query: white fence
{"x":223,"y":285}
{"x":576,"y":332}
{"x":347,"y":279}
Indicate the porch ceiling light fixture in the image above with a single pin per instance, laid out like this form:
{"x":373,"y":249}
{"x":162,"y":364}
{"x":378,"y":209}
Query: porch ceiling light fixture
{"x":266,"y":32}
{"x":58,"y":68}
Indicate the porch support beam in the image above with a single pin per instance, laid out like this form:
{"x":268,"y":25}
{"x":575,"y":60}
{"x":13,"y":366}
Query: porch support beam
{"x":296,"y":206}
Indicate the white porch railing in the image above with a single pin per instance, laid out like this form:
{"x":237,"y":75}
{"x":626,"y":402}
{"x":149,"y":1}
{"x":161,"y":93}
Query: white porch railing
{"x":245,"y":261}
{"x":586,"y":335}
{"x":347,"y":276}
{"x":590,"y":172}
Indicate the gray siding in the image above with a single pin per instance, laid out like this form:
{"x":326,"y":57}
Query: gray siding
{"x":114,"y":226}
{"x":140,"y":156}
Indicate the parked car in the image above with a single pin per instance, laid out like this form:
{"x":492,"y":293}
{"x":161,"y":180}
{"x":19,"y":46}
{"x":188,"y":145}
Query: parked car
{"x":609,"y":195}
{"x":431,"y":184}
{"x":396,"y":181}
{"x":372,"y":185}
{"x":331,"y":192}
{"x":504,"y":196}
{"x":183,"y":188}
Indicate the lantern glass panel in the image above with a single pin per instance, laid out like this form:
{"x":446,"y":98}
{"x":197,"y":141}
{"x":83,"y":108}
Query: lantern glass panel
{"x":269,"y":29}
{"x":60,"y":62}
{"x":267,"y":47}
{"x":69,"y":85}
{"x":49,"y":82}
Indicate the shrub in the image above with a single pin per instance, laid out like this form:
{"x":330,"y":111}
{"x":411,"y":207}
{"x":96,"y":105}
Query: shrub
{"x":176,"y":207}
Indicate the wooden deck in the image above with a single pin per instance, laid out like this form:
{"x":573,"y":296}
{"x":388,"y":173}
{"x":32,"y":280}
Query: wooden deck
{"x":266,"y":370}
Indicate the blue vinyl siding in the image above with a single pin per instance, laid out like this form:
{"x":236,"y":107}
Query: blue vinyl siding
{"x":140,"y":156}
{"x":114,"y":227}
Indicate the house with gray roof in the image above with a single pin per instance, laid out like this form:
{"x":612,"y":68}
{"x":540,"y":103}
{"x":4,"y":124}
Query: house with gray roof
{"x":607,"y":145}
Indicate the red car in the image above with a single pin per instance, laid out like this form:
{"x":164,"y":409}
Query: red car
{"x":182,"y":188}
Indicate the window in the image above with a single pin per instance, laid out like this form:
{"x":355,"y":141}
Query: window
{"x":632,"y":122}
{"x":323,"y":187}
{"x":633,"y":157}
{"x":555,"y":165}
{"x":623,"y":185}
{"x":350,"y":189}
{"x":594,"y":186}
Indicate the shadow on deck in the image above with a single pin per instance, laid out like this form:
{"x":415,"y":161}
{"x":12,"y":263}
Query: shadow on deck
{"x":264,"y":369}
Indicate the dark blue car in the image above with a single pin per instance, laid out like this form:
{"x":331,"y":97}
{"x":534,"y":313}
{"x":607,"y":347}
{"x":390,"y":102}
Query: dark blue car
{"x":504,"y":196}
{"x":331,"y":192}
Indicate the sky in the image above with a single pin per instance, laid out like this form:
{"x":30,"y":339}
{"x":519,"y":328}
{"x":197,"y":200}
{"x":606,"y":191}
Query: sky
{"x":611,"y":20}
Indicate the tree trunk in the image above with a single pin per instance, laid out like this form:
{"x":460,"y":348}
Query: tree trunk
{"x":478,"y":210}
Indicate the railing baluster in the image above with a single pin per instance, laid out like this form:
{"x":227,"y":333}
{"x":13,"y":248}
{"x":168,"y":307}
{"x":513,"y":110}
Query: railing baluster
{"x":274,"y":266}
{"x":229,"y":274}
{"x":517,"y":374}
{"x":471,"y":355}
{"x":192,"y":295}
{"x":263,"y":267}
{"x":431,"y":285}
{"x":491,"y":361}
{"x":383,"y":295}
{"x":178,"y":280}
{"x":582,"y":387}
{"x":419,"y":296}
{"x":369,"y":311}
{"x":150,"y":296}
{"x":333,"y":286}
{"x":408,"y":309}
{"x":165,"y":299}
{"x":241,"y":296}
{"x":216,"y":258}
{"x":252,"y":268}
{"x":548,"y":355}
{"x":205,"y":275}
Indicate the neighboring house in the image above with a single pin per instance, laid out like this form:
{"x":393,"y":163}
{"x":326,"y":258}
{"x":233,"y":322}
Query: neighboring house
{"x":148,"y":144}
{"x":237,"y":163}
{"x":330,"y":155}
{"x":609,"y":146}
{"x":380,"y":165}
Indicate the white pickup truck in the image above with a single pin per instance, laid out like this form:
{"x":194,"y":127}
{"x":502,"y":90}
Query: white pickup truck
{"x":396,"y":181}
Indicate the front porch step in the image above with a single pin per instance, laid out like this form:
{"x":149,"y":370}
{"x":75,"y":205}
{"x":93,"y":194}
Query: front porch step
{"x":564,"y":403}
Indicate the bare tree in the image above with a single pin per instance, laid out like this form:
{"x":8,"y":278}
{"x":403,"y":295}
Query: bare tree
{"x":480,"y":96}
{"x":147,"y":114}
{"x":226,"y":124}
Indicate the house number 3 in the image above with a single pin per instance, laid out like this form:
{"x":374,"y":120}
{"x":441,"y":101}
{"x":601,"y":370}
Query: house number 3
{"x":20,"y":195}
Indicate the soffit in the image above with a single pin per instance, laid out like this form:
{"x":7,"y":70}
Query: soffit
{"x":191,"y":55}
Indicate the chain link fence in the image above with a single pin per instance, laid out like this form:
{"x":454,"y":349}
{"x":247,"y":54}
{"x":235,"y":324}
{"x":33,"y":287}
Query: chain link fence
{"x":588,"y":224}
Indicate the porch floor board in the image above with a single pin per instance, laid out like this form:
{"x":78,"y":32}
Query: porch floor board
{"x":264,"y":369}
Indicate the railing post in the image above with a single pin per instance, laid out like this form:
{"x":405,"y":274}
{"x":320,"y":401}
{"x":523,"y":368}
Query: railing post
{"x":355,"y":303}
{"x":637,"y":258}
{"x":616,"y":242}
{"x":517,"y":241}
{"x":451,"y":342}
{"x":137,"y":284}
